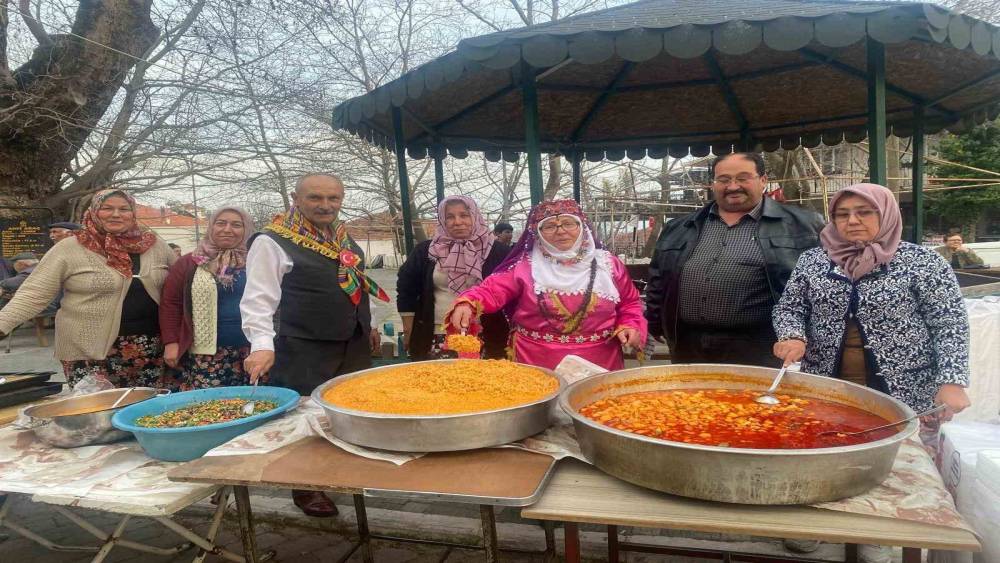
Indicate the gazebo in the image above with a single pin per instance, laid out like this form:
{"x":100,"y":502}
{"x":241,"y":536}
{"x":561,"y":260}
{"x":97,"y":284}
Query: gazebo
{"x":691,"y":77}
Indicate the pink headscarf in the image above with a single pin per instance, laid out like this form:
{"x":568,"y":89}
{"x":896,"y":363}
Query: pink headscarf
{"x":461,"y":259}
{"x":858,"y":259}
{"x":223,"y":263}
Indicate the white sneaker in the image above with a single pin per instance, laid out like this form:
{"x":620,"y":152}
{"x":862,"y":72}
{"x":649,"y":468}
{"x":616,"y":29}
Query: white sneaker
{"x":874,"y":554}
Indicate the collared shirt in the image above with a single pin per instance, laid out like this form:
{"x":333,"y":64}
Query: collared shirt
{"x":724,"y":282}
{"x":267,"y":265}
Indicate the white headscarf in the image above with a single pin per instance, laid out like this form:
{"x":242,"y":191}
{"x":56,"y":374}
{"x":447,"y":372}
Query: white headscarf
{"x":567,"y":272}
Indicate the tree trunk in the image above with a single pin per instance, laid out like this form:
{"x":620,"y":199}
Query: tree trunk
{"x":61,"y":93}
{"x":553,"y":182}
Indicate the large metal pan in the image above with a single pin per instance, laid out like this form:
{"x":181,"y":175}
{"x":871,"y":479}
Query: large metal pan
{"x":442,"y":433}
{"x":749,"y":476}
{"x":56,"y":423}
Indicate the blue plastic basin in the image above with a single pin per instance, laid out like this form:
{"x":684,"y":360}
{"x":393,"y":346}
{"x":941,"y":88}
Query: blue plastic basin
{"x":185,"y":444}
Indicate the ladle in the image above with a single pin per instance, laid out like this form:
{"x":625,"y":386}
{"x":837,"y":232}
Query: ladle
{"x":890,"y":425}
{"x":768,"y":397}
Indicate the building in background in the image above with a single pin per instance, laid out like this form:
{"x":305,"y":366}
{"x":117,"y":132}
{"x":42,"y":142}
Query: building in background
{"x":174,"y":224}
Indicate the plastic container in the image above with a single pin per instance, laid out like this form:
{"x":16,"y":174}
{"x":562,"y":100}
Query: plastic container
{"x":185,"y":444}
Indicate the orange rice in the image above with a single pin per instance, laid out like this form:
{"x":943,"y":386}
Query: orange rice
{"x":433,"y":389}
{"x":463,"y":343}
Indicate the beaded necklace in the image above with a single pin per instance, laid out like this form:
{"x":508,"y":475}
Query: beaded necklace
{"x":570,"y":321}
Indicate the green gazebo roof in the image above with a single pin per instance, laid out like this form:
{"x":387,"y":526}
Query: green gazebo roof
{"x":681,"y":77}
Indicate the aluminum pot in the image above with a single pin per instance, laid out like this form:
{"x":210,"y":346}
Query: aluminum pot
{"x":55,"y":424}
{"x":748,"y":476}
{"x":440,"y":433}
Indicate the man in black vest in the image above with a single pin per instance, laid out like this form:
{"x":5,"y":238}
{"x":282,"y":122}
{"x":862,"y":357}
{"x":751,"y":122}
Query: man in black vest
{"x":305,"y":275}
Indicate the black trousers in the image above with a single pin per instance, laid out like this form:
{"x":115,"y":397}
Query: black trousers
{"x":707,"y":345}
{"x":303,"y":364}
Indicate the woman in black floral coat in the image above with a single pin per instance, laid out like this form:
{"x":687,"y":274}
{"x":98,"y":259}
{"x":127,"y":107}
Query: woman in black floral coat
{"x":869,"y":308}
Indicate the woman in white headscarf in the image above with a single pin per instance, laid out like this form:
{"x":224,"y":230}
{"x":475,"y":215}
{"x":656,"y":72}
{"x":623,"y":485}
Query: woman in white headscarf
{"x":563,"y":293}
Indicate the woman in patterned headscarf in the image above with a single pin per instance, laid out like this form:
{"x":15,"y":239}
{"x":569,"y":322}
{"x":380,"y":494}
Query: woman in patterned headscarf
{"x":200,"y":312}
{"x":462,"y":252}
{"x":563,"y":293}
{"x":111,"y":273}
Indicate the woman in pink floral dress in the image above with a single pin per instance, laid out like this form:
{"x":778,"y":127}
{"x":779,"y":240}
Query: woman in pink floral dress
{"x":563,"y":293}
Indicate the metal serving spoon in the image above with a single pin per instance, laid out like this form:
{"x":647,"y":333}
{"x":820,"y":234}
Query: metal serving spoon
{"x":768,"y":397}
{"x":122,"y":398}
{"x":890,"y":425}
{"x":248,"y":408}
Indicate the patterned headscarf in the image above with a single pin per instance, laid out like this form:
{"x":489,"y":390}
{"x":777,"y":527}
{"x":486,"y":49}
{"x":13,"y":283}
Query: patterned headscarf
{"x":351,"y":276}
{"x":858,"y":259}
{"x":114,"y":247}
{"x":526,"y":244}
{"x":462,"y":259}
{"x":223,"y":263}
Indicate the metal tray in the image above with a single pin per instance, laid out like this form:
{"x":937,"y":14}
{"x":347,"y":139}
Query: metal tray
{"x":737,"y":475}
{"x":20,"y":379}
{"x":441,"y":433}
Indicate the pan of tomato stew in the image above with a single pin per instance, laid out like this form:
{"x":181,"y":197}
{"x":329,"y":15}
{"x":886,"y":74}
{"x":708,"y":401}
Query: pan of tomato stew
{"x":696,"y":431}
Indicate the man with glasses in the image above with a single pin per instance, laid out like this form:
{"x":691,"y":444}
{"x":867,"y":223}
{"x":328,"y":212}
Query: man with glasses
{"x":717,"y":273}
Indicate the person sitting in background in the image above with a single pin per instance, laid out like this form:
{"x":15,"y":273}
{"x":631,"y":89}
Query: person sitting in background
{"x":957,"y":254}
{"x":177,"y":249}
{"x":563,"y":293}
{"x":504,"y":232}
{"x":59,"y":231}
{"x":111,"y":274}
{"x":200,"y":319}
{"x":24,"y":264}
{"x":461,"y":254}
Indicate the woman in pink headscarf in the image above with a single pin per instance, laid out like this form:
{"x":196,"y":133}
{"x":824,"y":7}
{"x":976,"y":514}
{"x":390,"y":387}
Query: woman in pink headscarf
{"x":200,"y":310}
{"x":462,"y":253}
{"x":563,"y":293}
{"x":874,"y":310}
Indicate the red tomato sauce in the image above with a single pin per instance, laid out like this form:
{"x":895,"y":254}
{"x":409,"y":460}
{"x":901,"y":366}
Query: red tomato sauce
{"x":728,"y":418}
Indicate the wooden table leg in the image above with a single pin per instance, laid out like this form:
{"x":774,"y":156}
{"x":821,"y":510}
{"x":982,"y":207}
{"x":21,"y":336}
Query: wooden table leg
{"x":550,"y":540}
{"x":851,"y":553}
{"x":363,"y":533}
{"x":912,"y":555}
{"x":489,"y":520}
{"x":572,"y":542}
{"x":245,"y":515}
{"x":613,"y":544}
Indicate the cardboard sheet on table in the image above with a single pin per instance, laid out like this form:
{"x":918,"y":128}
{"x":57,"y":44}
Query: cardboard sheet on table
{"x":493,"y":473}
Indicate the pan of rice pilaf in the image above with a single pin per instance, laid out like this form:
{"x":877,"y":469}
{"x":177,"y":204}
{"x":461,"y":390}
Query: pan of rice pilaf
{"x":440,"y":405}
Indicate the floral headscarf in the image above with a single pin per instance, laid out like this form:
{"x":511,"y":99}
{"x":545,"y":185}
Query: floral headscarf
{"x":462,"y":259}
{"x":223,"y":263}
{"x":114,"y":247}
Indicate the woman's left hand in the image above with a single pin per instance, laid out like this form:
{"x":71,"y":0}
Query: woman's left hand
{"x":954,"y":398}
{"x":629,"y":337}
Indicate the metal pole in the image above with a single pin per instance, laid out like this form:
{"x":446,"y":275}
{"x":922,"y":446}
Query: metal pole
{"x":529,"y":96}
{"x":439,"y":176}
{"x":876,"y":113}
{"x":575,"y":161}
{"x":918,"y":175}
{"x":404,"y":179}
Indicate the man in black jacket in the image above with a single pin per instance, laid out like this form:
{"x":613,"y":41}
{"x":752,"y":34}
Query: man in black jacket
{"x":717,"y":273}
